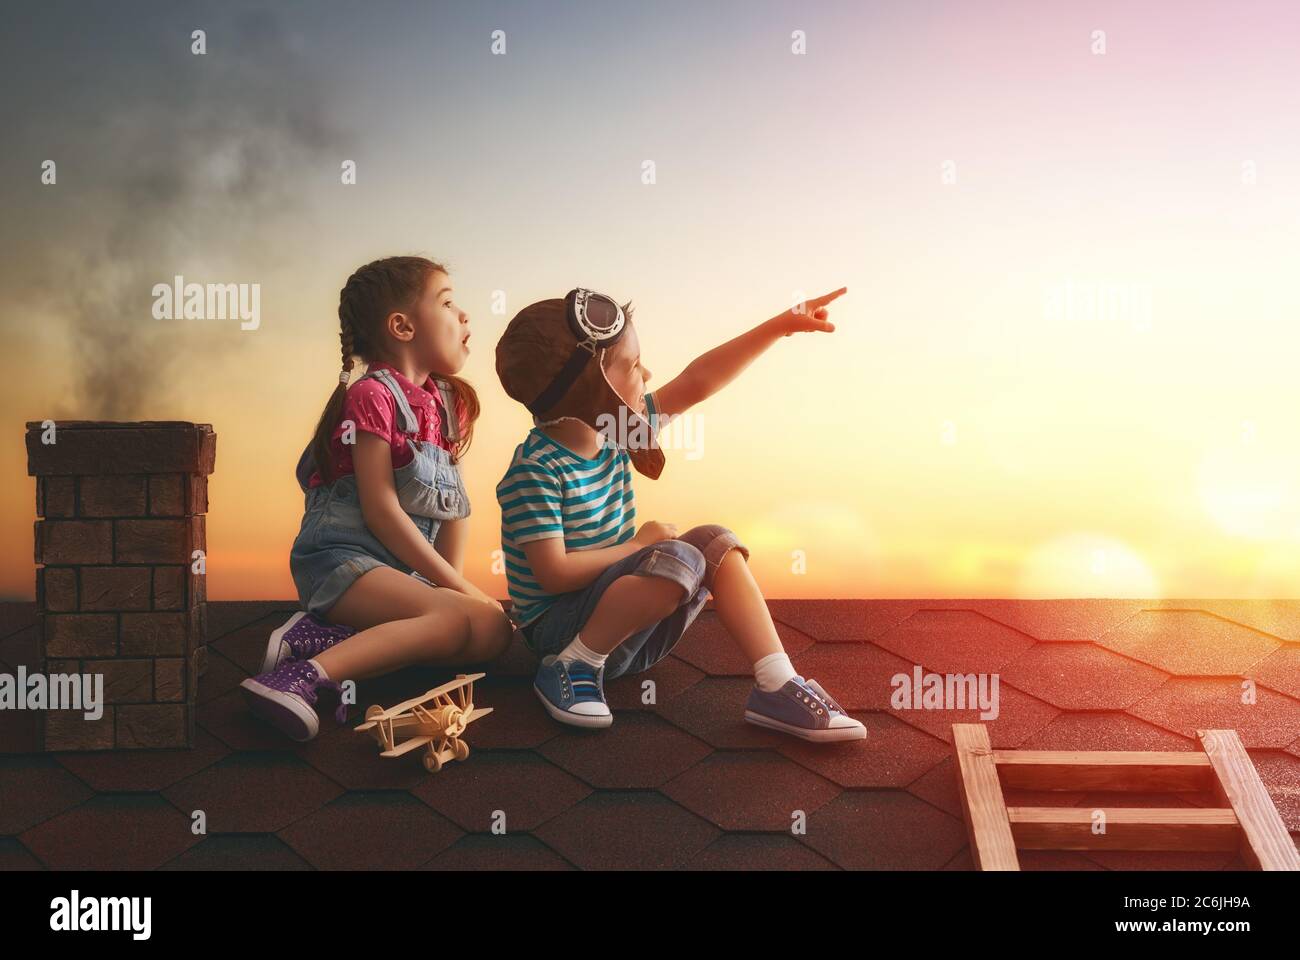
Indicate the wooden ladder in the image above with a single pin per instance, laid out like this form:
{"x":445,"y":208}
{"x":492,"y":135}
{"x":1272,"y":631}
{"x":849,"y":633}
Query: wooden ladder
{"x":1245,"y":820}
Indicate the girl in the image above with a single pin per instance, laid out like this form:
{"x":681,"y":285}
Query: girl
{"x":378,"y":559}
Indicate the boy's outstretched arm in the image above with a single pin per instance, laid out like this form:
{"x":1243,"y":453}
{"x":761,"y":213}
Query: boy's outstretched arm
{"x":710,"y":372}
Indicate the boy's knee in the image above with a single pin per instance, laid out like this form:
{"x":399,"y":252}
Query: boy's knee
{"x":679,"y":561}
{"x":714,"y":542}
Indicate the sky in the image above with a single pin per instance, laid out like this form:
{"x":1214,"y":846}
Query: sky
{"x":1065,"y":366}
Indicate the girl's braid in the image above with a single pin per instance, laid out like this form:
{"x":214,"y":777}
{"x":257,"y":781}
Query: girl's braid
{"x":347,"y":330}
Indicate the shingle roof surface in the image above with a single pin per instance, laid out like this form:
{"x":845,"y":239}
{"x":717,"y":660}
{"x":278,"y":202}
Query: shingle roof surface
{"x":683,"y":781}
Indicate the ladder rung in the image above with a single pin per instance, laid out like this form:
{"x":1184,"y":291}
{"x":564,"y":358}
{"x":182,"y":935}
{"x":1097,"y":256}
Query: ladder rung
{"x":1141,"y":771}
{"x":1126,"y":828}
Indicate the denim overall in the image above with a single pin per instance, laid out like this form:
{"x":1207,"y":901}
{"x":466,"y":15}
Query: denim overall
{"x":334,"y":546}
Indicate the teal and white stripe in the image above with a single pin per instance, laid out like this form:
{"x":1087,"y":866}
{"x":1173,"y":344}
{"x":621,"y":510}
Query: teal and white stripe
{"x":549,"y":491}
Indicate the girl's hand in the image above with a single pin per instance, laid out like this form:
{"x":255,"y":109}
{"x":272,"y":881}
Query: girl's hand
{"x":477,"y":594}
{"x":809,"y":316}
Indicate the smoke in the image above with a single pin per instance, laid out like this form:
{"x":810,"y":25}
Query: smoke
{"x":168,"y":163}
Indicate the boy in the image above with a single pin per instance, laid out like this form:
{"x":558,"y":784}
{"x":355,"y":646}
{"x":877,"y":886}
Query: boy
{"x":593,"y":598}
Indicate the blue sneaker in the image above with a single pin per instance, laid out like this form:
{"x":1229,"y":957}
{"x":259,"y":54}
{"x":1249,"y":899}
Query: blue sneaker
{"x":802,"y":708}
{"x":572,"y":692}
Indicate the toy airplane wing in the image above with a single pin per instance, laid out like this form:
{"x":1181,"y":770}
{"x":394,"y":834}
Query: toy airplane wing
{"x":453,"y":685}
{"x":429,"y":695}
{"x":406,"y":746}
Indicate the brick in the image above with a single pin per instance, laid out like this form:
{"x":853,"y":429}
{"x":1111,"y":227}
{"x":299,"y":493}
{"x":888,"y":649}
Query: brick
{"x":169,"y":679}
{"x":70,"y":730}
{"x":198,"y":625}
{"x":197,"y":491}
{"x":154,"y":634}
{"x":198,"y":585}
{"x":74,"y":541}
{"x":115,"y":495}
{"x":167,"y":495}
{"x":56,"y":497}
{"x":62,"y":666}
{"x":115,"y":588}
{"x":100,"y":447}
{"x":151,"y":541}
{"x":56,"y":589}
{"x":125,"y":681}
{"x":169,"y":588}
{"x":198,"y":533}
{"x":80,"y":634}
{"x":154,"y":725}
{"x":198,"y":666}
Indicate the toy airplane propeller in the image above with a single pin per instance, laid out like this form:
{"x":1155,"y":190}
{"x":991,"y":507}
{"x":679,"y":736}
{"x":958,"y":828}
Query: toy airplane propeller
{"x":435,"y":719}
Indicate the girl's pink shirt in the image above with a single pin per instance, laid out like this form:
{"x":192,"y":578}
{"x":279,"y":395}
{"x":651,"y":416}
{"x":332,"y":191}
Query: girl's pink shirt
{"x":372,"y":408}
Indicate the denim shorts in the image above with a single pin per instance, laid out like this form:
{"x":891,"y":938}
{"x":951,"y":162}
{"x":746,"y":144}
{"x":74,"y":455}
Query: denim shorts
{"x":334,"y":547}
{"x":691,"y":560}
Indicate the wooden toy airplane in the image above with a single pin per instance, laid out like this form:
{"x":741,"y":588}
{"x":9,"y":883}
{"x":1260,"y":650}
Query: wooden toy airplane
{"x":436,"y":719}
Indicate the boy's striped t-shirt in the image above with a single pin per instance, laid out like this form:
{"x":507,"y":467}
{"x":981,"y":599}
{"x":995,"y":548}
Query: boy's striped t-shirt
{"x":549,"y":491}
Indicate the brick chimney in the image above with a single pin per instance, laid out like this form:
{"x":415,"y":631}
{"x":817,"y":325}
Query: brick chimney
{"x":119,"y":592}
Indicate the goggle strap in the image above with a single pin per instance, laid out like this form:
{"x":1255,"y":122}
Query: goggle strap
{"x":569,"y":373}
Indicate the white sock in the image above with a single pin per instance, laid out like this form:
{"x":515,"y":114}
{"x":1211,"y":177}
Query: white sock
{"x":772,"y":672}
{"x":577,"y":650}
{"x":320,"y":671}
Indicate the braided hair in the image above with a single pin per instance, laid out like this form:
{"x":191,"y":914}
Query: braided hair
{"x":371,"y":294}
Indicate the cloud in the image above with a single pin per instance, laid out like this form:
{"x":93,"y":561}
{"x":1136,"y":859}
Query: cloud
{"x":168,"y":163}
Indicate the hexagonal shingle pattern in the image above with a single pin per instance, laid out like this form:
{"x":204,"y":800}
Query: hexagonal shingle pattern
{"x":954,"y":641}
{"x":378,"y":830}
{"x":1185,"y":705}
{"x":1278,"y":618}
{"x":641,"y":830}
{"x":515,"y":789}
{"x":721,"y":790}
{"x":1081,"y":676}
{"x":1053,"y":620}
{"x":1190,"y":643}
{"x":253,"y":792}
{"x":118,"y":831}
{"x":1018,"y":716}
{"x":36,"y":788}
{"x":707,"y":647}
{"x":639,"y":750}
{"x":893,"y":755}
{"x":884,"y":830}
{"x":1280,"y":670}
{"x":683,"y":781}
{"x":143,"y":770}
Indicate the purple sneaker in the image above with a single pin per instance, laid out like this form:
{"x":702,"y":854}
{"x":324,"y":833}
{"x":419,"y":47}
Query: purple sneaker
{"x":286,"y":698}
{"x":302,"y":637}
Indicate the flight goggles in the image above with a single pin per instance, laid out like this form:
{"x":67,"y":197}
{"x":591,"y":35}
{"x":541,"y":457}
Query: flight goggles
{"x":596,"y":322}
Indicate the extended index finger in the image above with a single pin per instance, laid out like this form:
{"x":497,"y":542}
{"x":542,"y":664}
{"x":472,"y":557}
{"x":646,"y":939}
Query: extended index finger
{"x":826,"y":298}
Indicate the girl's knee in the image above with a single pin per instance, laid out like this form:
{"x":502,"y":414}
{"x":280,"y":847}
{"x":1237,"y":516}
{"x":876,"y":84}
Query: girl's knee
{"x":446,"y":633}
{"x":492,"y":633}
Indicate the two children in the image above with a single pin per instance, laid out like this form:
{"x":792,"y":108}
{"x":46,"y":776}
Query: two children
{"x":378,"y":559}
